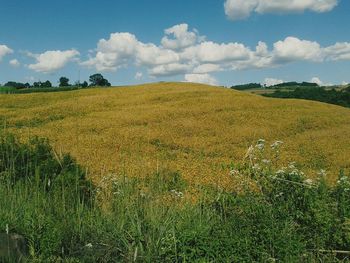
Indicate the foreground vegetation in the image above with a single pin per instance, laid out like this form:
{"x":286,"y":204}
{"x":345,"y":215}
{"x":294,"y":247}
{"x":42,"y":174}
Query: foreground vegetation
{"x":278,"y":215}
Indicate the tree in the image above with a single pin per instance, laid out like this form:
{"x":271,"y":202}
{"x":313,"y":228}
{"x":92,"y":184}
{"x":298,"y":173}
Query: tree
{"x":84,"y":84}
{"x":13,"y":84}
{"x":99,"y":80}
{"x":64,"y":82}
{"x":46,"y":84}
{"x":37,"y":84}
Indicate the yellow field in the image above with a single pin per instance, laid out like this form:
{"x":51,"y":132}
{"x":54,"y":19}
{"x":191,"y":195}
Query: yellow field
{"x":191,"y":128}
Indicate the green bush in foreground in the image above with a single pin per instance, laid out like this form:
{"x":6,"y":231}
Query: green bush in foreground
{"x":280,"y":216}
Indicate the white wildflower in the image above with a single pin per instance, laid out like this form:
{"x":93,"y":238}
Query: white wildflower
{"x":291,"y":165}
{"x":308,"y":181}
{"x":177,"y":194}
{"x":322,"y":173}
{"x":250,"y":153}
{"x":89,"y":245}
{"x":256,"y":167}
{"x":279,"y":194}
{"x":260,"y":144}
{"x":265,"y":161}
{"x":276,"y":144}
{"x":279,"y":172}
{"x":234,"y":172}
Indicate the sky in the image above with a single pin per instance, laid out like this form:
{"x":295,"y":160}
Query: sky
{"x":220,"y":42}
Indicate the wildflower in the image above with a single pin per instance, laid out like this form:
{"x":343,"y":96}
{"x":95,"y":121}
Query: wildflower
{"x":294,"y":172}
{"x":322,"y":173}
{"x":234,"y":172}
{"x":249,"y":153}
{"x":308,"y":182}
{"x":256,"y":167}
{"x":265,"y":161}
{"x":276,"y":144}
{"x":7,"y":229}
{"x":89,"y":245}
{"x":260,"y":144}
{"x":177,"y":194}
{"x":279,"y":194}
{"x":261,"y":141}
{"x":291,"y":165}
{"x":343,"y":180}
{"x":279,"y":172}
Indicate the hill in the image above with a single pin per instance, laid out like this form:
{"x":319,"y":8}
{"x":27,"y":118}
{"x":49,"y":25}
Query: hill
{"x":195,"y":129}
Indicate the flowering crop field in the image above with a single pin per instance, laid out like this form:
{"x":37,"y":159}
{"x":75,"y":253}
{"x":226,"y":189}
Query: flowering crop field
{"x":194,"y":129}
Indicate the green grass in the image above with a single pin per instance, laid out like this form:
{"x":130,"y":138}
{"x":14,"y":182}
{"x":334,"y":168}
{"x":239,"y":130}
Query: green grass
{"x":276,"y":217}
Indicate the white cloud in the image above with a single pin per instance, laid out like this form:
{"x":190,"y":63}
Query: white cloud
{"x":268,"y":82}
{"x":113,"y":53}
{"x":344,"y":83}
{"x":182,"y":38}
{"x":138,"y":75}
{"x":240,"y":9}
{"x":206,"y":68}
{"x":294,"y":49}
{"x":320,"y":82}
{"x":4,"y":50}
{"x":338,"y":51}
{"x":51,"y":61}
{"x":201,"y":78}
{"x":317,"y":81}
{"x":210,"y":52}
{"x":170,"y":70}
{"x":14,"y":63}
{"x":183,"y":52}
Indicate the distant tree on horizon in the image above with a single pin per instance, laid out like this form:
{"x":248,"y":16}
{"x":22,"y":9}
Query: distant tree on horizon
{"x":63,"y":82}
{"x":98,"y":80}
{"x":46,"y":84}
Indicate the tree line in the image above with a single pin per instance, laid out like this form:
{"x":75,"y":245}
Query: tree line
{"x":94,"y":80}
{"x":332,"y":96}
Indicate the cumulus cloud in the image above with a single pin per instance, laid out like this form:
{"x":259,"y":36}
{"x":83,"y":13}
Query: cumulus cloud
{"x":14,"y":63}
{"x":181,"y":37}
{"x":4,"y":50}
{"x":338,"y":51}
{"x":317,"y":81}
{"x":170,"y":70}
{"x":201,"y":78}
{"x":240,"y":9}
{"x":292,"y":49}
{"x":206,"y":68}
{"x":320,"y":82}
{"x":51,"y":61}
{"x":182,"y":51}
{"x":138,"y":75}
{"x":268,"y":82}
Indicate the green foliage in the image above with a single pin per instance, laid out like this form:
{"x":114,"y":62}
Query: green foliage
{"x":63,"y":82}
{"x":247,"y":86}
{"x":279,"y":216}
{"x":98,"y":80}
{"x":17,"y":85}
{"x":294,"y":84}
{"x":333,"y":96}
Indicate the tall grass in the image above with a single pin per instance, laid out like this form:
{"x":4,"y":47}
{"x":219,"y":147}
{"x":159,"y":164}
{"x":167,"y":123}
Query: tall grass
{"x":278,"y":216}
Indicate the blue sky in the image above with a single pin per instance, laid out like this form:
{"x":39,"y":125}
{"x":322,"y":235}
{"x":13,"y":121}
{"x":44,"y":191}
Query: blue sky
{"x":212,"y":41}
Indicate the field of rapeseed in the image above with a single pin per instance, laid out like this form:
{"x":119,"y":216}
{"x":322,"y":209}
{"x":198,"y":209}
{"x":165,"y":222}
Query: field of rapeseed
{"x":195,"y":130}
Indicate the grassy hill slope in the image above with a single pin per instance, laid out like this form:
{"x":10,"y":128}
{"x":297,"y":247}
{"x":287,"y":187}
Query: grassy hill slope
{"x":195,"y":129}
